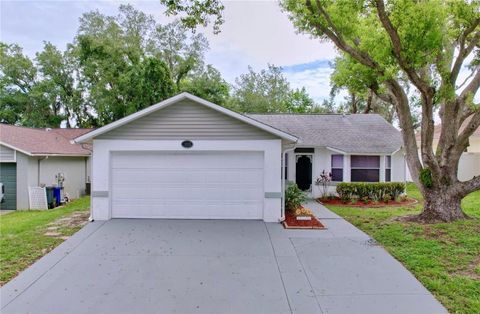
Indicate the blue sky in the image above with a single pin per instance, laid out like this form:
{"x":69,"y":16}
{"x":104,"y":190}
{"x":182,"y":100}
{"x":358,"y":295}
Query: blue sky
{"x":255,"y":33}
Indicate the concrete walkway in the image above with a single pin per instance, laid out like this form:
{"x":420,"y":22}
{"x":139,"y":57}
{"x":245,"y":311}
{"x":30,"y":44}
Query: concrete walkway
{"x":207,"y":266}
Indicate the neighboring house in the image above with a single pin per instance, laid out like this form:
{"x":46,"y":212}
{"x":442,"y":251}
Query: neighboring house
{"x":33,"y":157}
{"x":188,"y":158}
{"x":469,"y":164}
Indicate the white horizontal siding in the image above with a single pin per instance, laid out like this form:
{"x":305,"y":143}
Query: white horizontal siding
{"x":6,"y":154}
{"x":186,"y":120}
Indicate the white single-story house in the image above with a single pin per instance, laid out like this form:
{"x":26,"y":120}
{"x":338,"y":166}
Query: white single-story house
{"x":33,"y":157}
{"x":352,"y":147}
{"x":188,"y":158}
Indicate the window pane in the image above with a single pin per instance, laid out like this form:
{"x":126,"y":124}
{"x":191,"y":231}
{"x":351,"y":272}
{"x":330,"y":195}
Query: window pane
{"x":337,"y":161}
{"x":388,"y":175}
{"x":365,"y":161}
{"x":286,"y":166}
{"x":388,"y":162}
{"x":337,"y":175}
{"x":365,"y":175}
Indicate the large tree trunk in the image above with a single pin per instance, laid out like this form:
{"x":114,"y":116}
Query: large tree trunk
{"x":440,"y":205}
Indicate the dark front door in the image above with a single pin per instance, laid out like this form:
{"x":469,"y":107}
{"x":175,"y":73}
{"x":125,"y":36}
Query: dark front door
{"x":303,"y":176}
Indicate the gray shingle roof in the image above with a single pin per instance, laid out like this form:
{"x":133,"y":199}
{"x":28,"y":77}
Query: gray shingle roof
{"x":351,"y":133}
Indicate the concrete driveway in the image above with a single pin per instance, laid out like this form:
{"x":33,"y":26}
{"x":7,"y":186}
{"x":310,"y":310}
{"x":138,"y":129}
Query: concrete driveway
{"x":190,"y":266}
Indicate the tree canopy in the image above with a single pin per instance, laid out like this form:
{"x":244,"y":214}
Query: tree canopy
{"x":119,"y":64}
{"x":269,"y":91}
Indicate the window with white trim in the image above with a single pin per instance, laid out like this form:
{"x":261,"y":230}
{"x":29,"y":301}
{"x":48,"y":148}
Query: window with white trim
{"x":337,"y":168}
{"x":388,"y":168}
{"x":365,"y":168}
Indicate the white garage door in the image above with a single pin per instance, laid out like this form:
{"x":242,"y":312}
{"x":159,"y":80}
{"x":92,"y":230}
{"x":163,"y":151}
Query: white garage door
{"x":196,"y":185}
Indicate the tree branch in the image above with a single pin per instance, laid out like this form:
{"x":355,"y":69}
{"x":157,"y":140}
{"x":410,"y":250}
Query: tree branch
{"x":469,"y":186}
{"x":422,"y":85}
{"x":358,"y":55}
{"x":466,"y":80}
{"x":470,"y":89}
{"x":470,"y":128}
{"x":425,"y":89}
{"x":465,"y":51}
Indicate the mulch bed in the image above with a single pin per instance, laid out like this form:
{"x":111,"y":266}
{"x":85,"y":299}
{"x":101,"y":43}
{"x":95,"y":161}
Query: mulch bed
{"x":370,"y":204}
{"x":291,"y":222}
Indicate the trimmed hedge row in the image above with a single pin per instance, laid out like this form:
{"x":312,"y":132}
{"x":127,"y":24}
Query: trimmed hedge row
{"x":373,"y":191}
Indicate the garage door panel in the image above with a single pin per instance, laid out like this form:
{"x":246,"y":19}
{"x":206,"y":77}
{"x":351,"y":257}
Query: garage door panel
{"x":191,"y":184}
{"x":188,"y":160}
{"x":158,"y":176}
{"x":193,"y":193}
{"x":191,"y":211}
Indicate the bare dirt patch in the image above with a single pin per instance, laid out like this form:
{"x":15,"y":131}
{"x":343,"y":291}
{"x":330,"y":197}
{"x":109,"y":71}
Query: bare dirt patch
{"x":72,"y":221}
{"x":472,"y":271}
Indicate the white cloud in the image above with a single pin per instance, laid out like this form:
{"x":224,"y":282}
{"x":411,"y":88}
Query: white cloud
{"x":316,"y":81}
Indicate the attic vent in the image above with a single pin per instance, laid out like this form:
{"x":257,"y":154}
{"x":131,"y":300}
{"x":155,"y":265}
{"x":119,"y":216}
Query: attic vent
{"x":48,"y":129}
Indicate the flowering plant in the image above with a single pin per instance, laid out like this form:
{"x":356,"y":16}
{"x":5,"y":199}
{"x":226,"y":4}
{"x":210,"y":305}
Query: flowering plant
{"x":302,"y":211}
{"x":324,"y":179}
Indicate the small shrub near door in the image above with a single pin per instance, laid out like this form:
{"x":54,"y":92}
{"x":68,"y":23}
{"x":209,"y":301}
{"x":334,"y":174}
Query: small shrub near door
{"x":294,"y":197}
{"x":385,"y":191}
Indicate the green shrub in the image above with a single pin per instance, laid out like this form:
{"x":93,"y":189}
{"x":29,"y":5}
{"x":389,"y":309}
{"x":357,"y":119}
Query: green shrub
{"x":372,"y":191}
{"x":425,"y":177}
{"x":365,"y":199}
{"x":294,"y":197}
{"x":387,"y":198}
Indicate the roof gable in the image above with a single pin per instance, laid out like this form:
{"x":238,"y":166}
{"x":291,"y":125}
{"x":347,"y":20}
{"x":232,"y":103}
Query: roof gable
{"x":186,"y":120}
{"x":184,"y":98}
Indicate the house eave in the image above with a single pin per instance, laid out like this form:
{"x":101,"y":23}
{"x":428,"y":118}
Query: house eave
{"x":16,"y":148}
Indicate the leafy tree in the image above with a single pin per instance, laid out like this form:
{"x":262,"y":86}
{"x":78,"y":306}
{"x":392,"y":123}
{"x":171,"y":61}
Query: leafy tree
{"x":196,"y":12}
{"x":183,"y":53}
{"x":24,"y":95}
{"x":59,"y":85}
{"x":17,"y":78}
{"x":400,"y":44}
{"x":361,"y":84}
{"x":119,"y":75}
{"x":265,"y":91}
{"x":268,"y":91}
{"x":208,"y":85}
{"x":298,"y":101}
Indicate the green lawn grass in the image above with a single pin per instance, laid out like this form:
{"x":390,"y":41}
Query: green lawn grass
{"x":444,"y":257}
{"x":22,"y":239}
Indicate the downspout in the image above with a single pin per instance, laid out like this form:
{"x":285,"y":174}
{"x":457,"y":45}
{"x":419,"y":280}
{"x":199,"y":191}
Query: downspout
{"x":284,"y":153}
{"x":90,"y":218}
